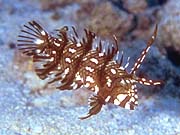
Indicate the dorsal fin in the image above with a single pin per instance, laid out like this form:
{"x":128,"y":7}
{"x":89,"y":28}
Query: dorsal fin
{"x":144,"y":52}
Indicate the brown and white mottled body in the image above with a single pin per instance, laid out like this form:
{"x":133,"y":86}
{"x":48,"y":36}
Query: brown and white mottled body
{"x":71,"y":58}
{"x":71,"y":62}
{"x":119,"y":86}
{"x":92,"y":66}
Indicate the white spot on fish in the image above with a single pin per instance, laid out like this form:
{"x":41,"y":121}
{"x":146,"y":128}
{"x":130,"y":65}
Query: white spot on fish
{"x":68,"y":60}
{"x":94,"y":60}
{"x":72,"y":50}
{"x":113,"y":71}
{"x":38,"y":41}
{"x":78,"y":45}
{"x":89,"y":69}
{"x":43,"y":32}
{"x":121,"y":97}
{"x":116,"y":102}
{"x":89,"y":79}
{"x":57,"y":44}
{"x":107,"y":99}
